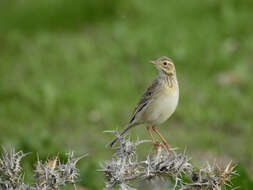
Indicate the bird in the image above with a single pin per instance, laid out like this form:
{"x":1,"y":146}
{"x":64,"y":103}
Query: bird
{"x":157,"y":103}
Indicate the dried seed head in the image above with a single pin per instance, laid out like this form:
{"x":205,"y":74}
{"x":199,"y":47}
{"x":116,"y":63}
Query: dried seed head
{"x":124,"y":169}
{"x":49,"y":175}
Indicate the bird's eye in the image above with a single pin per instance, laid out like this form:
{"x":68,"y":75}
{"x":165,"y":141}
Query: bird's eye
{"x":165,"y":63}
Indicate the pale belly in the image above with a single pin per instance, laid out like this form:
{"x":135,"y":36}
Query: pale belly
{"x":161,"y":108}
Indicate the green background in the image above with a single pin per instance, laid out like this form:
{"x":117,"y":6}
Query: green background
{"x":70,"y":70}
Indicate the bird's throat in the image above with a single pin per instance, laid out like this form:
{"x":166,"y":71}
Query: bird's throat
{"x":169,"y":78}
{"x":170,"y":81}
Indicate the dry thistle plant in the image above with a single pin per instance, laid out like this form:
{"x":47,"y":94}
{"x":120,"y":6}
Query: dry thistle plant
{"x":50,"y":175}
{"x":125,"y":170}
{"x":11,"y":175}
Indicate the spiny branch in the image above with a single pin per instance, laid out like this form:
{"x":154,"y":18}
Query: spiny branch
{"x":125,"y":169}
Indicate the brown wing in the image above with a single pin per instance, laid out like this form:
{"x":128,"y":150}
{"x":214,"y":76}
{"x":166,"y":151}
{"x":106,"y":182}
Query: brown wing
{"x":145,"y":99}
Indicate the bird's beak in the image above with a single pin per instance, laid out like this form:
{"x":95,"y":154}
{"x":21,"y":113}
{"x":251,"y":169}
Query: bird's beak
{"x":153,"y":62}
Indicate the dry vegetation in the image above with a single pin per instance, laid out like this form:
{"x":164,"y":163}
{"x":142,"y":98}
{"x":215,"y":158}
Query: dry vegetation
{"x":51,"y":174}
{"x":123,"y":170}
{"x":175,"y":167}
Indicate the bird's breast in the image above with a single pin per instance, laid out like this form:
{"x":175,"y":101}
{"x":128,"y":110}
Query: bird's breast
{"x":163,"y":105}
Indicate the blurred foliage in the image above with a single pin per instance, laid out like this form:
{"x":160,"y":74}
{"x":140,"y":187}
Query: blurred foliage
{"x":71,"y":69}
{"x":29,"y":15}
{"x":242,"y":181}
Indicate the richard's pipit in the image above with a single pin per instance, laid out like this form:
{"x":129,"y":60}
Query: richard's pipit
{"x":158,"y":102}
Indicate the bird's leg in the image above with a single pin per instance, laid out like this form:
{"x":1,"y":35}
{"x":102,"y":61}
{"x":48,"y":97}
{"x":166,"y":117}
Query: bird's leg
{"x":155,"y":143}
{"x":150,"y":134}
{"x":161,"y":137}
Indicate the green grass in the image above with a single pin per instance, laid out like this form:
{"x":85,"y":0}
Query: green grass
{"x":66,"y":75}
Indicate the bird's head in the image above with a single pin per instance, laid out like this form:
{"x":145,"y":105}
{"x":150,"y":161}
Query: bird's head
{"x":164,"y":65}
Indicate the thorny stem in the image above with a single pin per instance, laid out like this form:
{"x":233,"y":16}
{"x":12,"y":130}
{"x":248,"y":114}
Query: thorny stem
{"x":125,"y":169}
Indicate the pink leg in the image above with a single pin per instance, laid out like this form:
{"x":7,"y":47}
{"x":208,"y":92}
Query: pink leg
{"x":155,"y":143}
{"x":161,"y":137}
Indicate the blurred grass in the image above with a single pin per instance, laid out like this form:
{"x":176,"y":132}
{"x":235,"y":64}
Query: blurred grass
{"x":31,"y":16}
{"x":69,"y":71}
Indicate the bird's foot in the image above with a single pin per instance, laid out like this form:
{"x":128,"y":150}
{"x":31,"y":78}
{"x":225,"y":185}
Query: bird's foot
{"x":164,"y":142}
{"x":157,"y":145}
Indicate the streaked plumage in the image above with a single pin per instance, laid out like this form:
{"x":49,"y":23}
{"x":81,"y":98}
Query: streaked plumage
{"x":160,"y":99}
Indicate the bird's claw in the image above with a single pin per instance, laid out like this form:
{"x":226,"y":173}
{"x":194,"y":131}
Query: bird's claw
{"x":157,"y":145}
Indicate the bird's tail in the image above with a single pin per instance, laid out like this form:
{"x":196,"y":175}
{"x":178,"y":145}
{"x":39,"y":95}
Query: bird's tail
{"x":129,"y":126}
